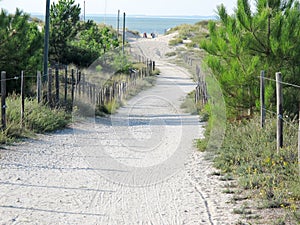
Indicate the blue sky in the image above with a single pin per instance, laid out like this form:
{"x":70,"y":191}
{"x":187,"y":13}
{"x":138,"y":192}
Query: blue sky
{"x":133,"y":7}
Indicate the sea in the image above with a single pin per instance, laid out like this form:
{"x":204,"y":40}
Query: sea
{"x":143,"y":23}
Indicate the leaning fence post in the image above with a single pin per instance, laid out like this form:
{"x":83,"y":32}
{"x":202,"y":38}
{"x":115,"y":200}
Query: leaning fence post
{"x":3,"y":99}
{"x":22,"y":99}
{"x":262,"y":99}
{"x":279,"y":98}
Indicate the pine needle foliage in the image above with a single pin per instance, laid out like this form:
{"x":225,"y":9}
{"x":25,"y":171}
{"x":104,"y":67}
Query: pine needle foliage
{"x":240,"y":45}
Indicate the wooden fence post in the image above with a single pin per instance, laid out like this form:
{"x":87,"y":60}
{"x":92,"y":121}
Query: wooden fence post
{"x":279,"y":98}
{"x":49,"y":94}
{"x":262,"y":99}
{"x":83,"y":84}
{"x":56,"y":84}
{"x":3,"y":99}
{"x":66,"y":84}
{"x":73,"y":86}
{"x":79,"y":83}
{"x":94,"y":94}
{"x":38,"y":86}
{"x":123,"y":38}
{"x":22,"y":99}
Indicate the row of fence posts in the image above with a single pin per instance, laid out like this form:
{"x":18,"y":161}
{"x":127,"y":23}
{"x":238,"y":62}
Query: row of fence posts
{"x":201,"y":96}
{"x":201,"y":93}
{"x":73,"y":83}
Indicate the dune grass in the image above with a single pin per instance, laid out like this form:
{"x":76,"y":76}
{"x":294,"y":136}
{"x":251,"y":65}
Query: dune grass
{"x":249,"y":155}
{"x":38,"y":118}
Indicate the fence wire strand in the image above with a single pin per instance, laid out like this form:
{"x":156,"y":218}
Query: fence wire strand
{"x":283,"y":118}
{"x":281,"y":82}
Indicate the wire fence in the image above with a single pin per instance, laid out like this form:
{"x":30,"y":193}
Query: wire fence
{"x":281,"y":118}
{"x":202,"y":95}
{"x":201,"y":92}
{"x":62,"y":84}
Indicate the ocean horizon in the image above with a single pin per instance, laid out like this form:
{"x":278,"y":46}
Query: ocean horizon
{"x":143,"y":23}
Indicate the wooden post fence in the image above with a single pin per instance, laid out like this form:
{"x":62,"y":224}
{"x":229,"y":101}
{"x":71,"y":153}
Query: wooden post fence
{"x":279,"y":98}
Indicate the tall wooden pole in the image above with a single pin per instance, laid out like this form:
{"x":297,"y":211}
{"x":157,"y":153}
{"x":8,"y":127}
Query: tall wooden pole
{"x":46,"y":40}
{"x":262,"y":99}
{"x":123,"y":43}
{"x":83,"y":11}
{"x":279,"y":98}
{"x":118,"y":24}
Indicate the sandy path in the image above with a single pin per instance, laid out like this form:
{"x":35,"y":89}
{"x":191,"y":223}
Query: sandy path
{"x":137,"y":167}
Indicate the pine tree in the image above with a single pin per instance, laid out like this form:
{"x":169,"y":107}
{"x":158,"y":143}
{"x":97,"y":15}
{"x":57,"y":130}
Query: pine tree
{"x":243,"y":44}
{"x":64,"y":26}
{"x":20,"y":46}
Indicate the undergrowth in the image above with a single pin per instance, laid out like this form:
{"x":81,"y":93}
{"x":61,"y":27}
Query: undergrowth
{"x":249,"y":154}
{"x":38,"y":118}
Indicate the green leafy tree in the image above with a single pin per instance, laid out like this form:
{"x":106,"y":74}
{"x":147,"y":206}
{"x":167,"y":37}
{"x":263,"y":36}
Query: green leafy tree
{"x":243,"y":44}
{"x":92,"y":42}
{"x":75,"y":42}
{"x":20,"y":46}
{"x":64,"y":26}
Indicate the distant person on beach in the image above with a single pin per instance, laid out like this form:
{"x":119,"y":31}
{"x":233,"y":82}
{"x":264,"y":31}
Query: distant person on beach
{"x":145,"y":35}
{"x":152,"y":35}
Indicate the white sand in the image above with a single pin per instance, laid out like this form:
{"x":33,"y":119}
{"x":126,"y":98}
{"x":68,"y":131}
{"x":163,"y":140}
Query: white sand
{"x":137,"y":167}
